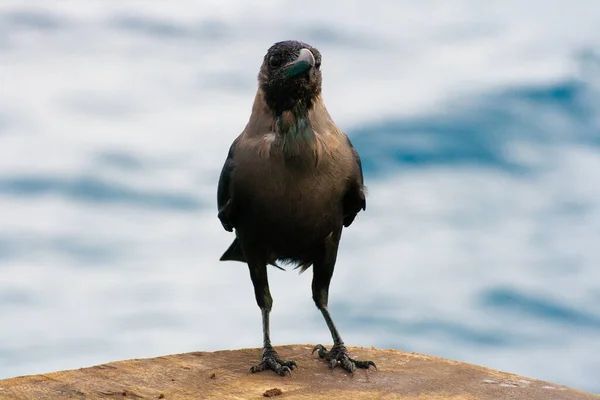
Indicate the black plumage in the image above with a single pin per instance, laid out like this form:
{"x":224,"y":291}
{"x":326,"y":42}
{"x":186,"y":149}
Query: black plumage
{"x":291,"y":181}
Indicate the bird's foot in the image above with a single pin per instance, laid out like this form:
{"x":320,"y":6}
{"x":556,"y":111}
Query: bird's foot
{"x":339,"y":354}
{"x":271,"y":360}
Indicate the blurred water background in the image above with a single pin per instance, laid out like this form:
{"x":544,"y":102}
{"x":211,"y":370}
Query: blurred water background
{"x":479,"y":128}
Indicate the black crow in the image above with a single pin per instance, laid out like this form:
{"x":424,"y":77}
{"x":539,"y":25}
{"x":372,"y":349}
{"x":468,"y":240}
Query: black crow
{"x":291,"y":181}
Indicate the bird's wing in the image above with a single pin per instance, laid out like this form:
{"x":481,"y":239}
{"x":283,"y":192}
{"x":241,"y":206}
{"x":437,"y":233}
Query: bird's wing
{"x":355,"y":199}
{"x":223,"y":190}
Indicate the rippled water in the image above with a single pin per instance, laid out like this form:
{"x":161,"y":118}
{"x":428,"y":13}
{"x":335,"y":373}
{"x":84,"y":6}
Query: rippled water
{"x":478,"y":127}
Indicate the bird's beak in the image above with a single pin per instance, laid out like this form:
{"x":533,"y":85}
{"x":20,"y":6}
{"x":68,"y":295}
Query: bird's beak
{"x":301,"y":64}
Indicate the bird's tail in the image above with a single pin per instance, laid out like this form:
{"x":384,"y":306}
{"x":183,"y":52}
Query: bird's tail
{"x":234,"y":252}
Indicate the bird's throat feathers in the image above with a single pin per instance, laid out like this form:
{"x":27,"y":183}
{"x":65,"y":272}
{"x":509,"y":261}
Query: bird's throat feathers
{"x":297,"y":135}
{"x":300,"y":133}
{"x":294,"y":125}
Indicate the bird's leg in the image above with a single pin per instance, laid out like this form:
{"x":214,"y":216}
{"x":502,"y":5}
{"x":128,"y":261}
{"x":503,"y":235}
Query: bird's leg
{"x":338,"y":353}
{"x":322,"y":273}
{"x":270,"y":358}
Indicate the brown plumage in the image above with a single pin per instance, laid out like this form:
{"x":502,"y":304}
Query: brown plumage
{"x":291,"y":181}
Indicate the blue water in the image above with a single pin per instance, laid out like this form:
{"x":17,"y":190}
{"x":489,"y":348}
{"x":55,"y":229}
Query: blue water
{"x":479,"y":132}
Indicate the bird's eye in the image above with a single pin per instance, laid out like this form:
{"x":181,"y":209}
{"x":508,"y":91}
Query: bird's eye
{"x":274,"y":62}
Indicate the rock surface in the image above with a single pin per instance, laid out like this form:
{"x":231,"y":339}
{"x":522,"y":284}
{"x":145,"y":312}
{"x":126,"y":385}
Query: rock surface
{"x":224,"y":375}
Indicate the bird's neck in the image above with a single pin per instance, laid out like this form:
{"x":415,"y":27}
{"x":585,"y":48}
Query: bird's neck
{"x":294,"y":123}
{"x":295,"y":129}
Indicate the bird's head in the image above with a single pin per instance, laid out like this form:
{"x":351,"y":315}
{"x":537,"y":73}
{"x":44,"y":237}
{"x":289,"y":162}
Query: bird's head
{"x":290,"y":75}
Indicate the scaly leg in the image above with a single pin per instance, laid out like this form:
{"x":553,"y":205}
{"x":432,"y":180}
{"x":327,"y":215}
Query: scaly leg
{"x":270,"y":358}
{"x":322,"y":273}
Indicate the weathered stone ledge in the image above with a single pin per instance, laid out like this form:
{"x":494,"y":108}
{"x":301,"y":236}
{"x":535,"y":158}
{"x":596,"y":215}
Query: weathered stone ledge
{"x":224,"y":375}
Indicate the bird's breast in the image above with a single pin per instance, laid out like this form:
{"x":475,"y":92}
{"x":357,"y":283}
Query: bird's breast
{"x":300,"y":190}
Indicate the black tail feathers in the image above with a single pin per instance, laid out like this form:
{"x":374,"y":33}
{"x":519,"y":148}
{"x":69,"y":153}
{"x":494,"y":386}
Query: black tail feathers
{"x":234,"y":252}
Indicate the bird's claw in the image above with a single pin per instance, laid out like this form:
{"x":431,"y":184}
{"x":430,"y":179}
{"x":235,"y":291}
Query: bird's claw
{"x":339,"y":354}
{"x":271,"y":360}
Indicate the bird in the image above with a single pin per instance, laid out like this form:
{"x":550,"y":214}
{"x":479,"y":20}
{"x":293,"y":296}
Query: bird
{"x":291,"y":182}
